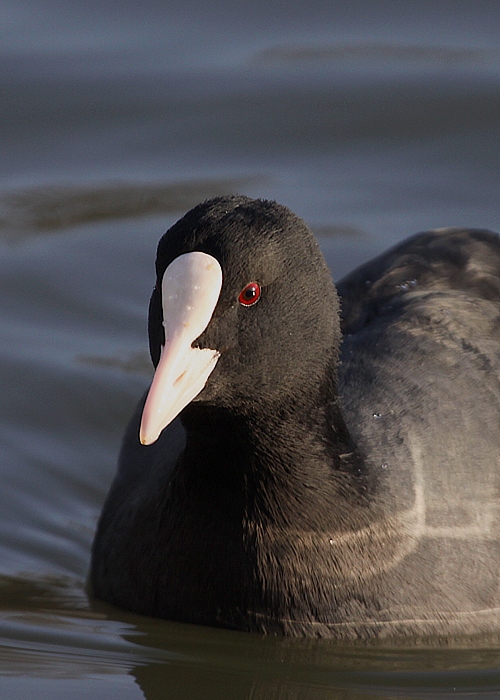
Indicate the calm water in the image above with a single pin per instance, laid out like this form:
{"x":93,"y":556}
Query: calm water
{"x":371,"y":120}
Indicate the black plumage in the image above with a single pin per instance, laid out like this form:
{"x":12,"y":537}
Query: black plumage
{"x":338,"y":475}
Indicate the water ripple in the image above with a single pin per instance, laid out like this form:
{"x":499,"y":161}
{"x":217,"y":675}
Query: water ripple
{"x":46,"y":209}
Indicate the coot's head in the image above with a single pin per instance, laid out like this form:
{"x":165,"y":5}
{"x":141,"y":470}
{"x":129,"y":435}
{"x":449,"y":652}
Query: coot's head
{"x":244,"y":312}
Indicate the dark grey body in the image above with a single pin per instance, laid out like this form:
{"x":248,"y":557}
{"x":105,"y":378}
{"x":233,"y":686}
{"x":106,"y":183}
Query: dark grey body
{"x":419,"y":554}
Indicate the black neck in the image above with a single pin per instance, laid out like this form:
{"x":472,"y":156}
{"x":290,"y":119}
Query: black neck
{"x":261,"y":495}
{"x":279,"y":465}
{"x":272,"y":491}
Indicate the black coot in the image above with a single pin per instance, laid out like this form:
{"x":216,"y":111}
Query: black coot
{"x":332,"y":475}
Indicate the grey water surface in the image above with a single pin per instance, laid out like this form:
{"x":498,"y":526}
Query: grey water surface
{"x":372,"y":120}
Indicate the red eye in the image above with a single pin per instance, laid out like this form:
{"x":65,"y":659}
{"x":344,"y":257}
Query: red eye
{"x":250,"y":294}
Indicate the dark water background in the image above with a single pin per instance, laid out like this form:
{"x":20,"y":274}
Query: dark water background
{"x":371,"y":120}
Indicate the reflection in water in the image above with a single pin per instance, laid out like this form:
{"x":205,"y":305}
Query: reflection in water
{"x":49,"y":628}
{"x":400,"y":55}
{"x":337,"y":230}
{"x":136,"y":363}
{"x":40,"y":209}
{"x":220,"y":664}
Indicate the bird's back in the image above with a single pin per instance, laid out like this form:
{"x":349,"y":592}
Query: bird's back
{"x":420,"y":391}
